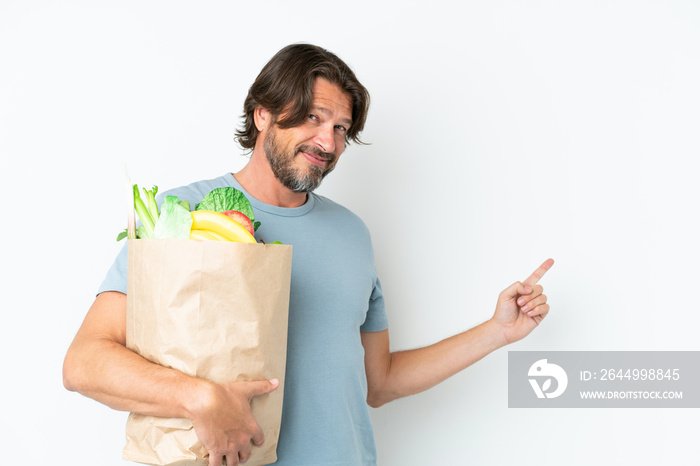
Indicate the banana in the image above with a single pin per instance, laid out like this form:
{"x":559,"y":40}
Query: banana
{"x":221,"y":224}
{"x":207,"y":235}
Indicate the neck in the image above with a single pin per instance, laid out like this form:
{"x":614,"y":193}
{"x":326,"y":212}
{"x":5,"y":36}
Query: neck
{"x":258,"y":179}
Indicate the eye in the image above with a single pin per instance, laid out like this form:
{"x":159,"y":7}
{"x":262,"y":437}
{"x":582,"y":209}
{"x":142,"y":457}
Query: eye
{"x":313,"y":117}
{"x":341,"y":128}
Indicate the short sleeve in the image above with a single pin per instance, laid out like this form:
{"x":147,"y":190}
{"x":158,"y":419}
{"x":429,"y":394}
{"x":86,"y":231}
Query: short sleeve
{"x":116,"y":276}
{"x":376,"y":319}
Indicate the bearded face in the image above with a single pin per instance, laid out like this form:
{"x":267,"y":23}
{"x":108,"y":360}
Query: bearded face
{"x":302,"y":155}
{"x":289,"y":167}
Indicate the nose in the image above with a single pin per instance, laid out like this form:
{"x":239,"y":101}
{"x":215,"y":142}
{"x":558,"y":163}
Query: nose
{"x":325,"y":138}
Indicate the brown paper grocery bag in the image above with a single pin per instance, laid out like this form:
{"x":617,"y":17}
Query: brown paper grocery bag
{"x":211,"y":309}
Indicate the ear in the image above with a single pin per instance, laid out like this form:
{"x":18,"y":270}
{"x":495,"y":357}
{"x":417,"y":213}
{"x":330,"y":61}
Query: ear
{"x":262,"y":118}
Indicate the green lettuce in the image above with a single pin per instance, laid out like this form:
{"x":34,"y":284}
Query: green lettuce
{"x":174,"y":222}
{"x":225,"y":199}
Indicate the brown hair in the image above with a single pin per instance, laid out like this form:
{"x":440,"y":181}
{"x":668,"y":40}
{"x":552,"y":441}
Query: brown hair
{"x":286,"y":84}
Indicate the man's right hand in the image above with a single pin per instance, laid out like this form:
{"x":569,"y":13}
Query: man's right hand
{"x":224,"y":422}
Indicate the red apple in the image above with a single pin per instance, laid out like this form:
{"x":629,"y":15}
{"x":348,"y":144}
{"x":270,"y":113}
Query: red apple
{"x":242,"y":220}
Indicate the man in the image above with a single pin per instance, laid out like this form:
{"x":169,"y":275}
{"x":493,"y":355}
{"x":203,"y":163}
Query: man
{"x":300,"y":113}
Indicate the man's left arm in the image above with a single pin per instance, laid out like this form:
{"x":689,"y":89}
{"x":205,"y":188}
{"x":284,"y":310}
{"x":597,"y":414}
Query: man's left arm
{"x":520,"y":308}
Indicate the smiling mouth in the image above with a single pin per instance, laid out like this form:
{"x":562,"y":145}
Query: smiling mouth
{"x":314,"y":157}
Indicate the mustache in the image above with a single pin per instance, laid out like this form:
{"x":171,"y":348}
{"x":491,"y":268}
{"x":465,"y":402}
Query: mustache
{"x":316,"y":151}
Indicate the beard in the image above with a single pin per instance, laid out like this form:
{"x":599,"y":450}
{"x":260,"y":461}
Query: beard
{"x":299,"y":180}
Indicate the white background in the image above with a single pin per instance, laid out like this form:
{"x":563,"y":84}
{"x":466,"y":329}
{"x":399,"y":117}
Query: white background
{"x":502,"y":133}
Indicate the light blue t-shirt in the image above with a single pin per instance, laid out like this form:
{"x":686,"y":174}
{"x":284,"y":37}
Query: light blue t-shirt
{"x":335,"y":293}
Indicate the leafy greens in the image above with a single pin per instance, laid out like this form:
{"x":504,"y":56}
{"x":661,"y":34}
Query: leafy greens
{"x":228,"y":198}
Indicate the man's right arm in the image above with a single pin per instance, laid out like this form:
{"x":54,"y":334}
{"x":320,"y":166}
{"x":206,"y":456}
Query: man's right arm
{"x":98,"y":365}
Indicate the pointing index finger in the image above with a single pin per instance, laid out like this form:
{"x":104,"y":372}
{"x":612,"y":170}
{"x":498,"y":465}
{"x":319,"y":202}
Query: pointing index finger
{"x":539,"y":273}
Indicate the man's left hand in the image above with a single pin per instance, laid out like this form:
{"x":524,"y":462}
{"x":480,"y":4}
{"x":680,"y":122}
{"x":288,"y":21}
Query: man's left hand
{"x":522,"y":306}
